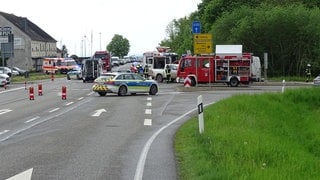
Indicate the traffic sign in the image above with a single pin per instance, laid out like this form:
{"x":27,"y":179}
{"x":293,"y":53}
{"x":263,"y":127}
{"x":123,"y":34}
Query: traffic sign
{"x":202,"y":43}
{"x":196,"y":27}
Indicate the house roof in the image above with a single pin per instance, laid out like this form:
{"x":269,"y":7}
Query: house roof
{"x":28,"y":27}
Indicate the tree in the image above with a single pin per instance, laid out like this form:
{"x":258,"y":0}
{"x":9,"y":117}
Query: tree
{"x":118,"y":46}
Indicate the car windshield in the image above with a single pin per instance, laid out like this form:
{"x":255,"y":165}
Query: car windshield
{"x":106,"y":77}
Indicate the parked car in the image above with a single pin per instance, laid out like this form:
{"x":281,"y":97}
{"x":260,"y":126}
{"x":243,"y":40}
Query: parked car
{"x":75,"y":73}
{"x":123,"y":83}
{"x":159,"y":74}
{"x":316,"y":81}
{"x":8,"y":71}
{"x":4,"y":79}
{"x":21,"y":72}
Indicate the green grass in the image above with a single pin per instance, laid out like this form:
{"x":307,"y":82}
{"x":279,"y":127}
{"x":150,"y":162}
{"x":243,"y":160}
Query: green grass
{"x":34,"y":76}
{"x":268,"y":136}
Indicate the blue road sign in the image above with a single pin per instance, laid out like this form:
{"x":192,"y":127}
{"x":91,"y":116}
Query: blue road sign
{"x":196,"y":27}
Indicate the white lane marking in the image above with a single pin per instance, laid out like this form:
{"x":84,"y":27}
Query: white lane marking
{"x":3,"y":111}
{"x":98,"y":112}
{"x":90,"y":93}
{"x":25,"y":175}
{"x":5,"y":131}
{"x":143,"y":156}
{"x":80,"y":98}
{"x":9,"y":90}
{"x":149,"y":98}
{"x":64,"y":111}
{"x":149,"y":104}
{"x":148,"y":111}
{"x":30,"y":120}
{"x":69,"y":103}
{"x":53,"y":110}
{"x":147,"y":122}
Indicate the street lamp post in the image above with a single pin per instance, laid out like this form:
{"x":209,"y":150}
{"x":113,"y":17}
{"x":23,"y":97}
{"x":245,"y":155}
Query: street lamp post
{"x":100,"y":41}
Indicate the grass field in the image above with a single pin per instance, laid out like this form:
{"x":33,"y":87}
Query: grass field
{"x":266,"y":136}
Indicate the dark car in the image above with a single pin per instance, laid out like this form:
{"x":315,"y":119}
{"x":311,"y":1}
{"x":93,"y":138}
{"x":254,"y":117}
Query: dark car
{"x":22,"y":72}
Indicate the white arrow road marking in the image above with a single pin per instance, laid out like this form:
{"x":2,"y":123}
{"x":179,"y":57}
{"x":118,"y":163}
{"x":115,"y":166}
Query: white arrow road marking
{"x":147,"y":122}
{"x":5,"y":131}
{"x":3,"y":111}
{"x":98,"y":112}
{"x":26,"y":175}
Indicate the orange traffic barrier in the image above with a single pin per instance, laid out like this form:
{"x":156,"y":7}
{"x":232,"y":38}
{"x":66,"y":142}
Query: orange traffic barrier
{"x":52,"y":76}
{"x":31,"y":93}
{"x":64,"y":92}
{"x":40,"y":89}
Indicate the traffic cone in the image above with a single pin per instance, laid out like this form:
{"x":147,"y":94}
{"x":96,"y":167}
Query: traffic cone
{"x":31,"y":93}
{"x":40,"y":89}
{"x":64,"y":93}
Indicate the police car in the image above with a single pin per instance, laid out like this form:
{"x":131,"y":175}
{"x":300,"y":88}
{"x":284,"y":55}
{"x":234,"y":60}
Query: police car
{"x":124,"y":83}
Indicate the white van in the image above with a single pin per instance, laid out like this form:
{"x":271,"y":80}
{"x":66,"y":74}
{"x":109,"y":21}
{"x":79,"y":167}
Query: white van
{"x":256,"y":69}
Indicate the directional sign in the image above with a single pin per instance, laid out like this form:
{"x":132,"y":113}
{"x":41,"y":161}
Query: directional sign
{"x":196,"y":27}
{"x":202,"y":43}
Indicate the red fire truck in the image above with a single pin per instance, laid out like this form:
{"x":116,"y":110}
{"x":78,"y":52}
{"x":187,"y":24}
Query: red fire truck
{"x":231,"y":69}
{"x":105,"y":59}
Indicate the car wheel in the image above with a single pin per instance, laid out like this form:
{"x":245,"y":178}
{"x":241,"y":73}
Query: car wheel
{"x":159,"y":78}
{"x":102,"y":93}
{"x":122,"y":91}
{"x":153,"y":90}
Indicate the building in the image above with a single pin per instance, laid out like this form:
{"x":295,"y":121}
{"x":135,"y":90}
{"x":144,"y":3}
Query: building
{"x":31,"y":43}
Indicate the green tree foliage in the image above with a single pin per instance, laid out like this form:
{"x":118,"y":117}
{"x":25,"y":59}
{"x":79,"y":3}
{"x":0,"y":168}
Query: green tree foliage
{"x":119,"y":46}
{"x":289,"y":34}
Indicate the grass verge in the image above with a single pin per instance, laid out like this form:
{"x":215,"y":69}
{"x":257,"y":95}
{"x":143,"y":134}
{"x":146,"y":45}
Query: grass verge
{"x":267,"y":136}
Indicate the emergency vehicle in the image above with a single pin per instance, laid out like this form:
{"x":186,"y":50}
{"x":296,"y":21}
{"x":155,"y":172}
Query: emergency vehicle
{"x":157,"y":61}
{"x":105,"y":57}
{"x":229,"y":67}
{"x":61,"y":65}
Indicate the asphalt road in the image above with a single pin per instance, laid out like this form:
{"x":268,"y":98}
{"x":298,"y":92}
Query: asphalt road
{"x":91,"y":137}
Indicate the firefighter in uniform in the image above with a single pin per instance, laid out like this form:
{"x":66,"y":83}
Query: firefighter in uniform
{"x":308,"y":72}
{"x":146,"y":71}
{"x":168,"y":73}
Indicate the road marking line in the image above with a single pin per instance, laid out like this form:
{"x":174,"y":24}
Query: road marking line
{"x":98,"y":112}
{"x":147,"y":122}
{"x":148,"y":111}
{"x":90,"y":93}
{"x":143,"y":156}
{"x":149,"y":104}
{"x":53,"y":110}
{"x":3,"y":111}
{"x":5,"y":131}
{"x":80,"y":98}
{"x":149,"y":98}
{"x":69,"y":103}
{"x":30,"y":120}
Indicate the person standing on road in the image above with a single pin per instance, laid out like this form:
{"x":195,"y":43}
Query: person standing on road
{"x":168,"y":73}
{"x":308,"y":72}
{"x":146,"y":71}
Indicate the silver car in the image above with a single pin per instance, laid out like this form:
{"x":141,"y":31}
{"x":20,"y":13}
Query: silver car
{"x":4,"y":79}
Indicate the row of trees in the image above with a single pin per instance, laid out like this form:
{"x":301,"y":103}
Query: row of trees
{"x":288,"y":30}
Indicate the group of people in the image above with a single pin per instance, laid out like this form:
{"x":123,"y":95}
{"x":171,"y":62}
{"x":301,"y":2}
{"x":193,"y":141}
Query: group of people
{"x":144,"y":71}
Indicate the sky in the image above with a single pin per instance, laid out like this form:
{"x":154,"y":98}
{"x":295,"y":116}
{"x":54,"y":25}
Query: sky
{"x":85,"y":26}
